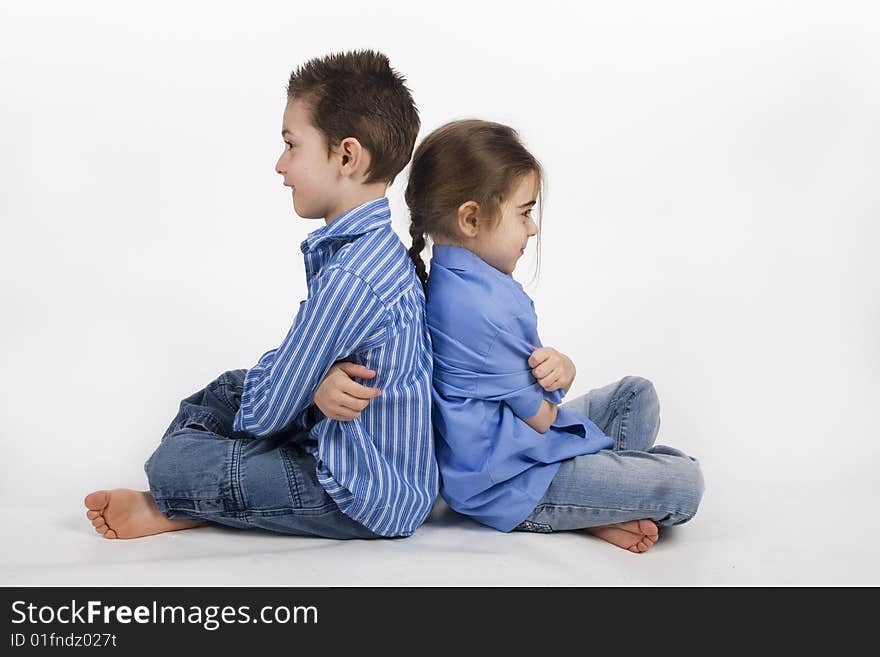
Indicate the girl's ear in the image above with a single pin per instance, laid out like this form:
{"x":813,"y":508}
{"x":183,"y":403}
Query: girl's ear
{"x":353,"y":158}
{"x":468,"y":218}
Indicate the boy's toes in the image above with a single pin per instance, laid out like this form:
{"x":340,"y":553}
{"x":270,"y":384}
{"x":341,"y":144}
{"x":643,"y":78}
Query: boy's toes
{"x":110,"y":534}
{"x":97,"y":500}
{"x":91,"y":515}
{"x":97,"y":522}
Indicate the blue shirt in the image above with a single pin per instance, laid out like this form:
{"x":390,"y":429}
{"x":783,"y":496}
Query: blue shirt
{"x":365,"y":305}
{"x":494,"y":467}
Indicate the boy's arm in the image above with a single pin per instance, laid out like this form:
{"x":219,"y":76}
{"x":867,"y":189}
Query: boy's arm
{"x":341,"y":316}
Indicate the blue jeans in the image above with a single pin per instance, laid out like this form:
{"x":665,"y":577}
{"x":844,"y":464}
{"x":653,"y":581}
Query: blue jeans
{"x":632,"y":480}
{"x":203,"y":470}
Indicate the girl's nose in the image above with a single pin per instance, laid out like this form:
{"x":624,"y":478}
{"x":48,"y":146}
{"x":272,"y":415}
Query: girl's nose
{"x":533,"y":227}
{"x":278,"y":168}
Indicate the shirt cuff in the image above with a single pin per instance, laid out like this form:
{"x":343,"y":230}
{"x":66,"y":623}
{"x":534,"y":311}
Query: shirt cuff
{"x":526,"y":403}
{"x":554,"y":397}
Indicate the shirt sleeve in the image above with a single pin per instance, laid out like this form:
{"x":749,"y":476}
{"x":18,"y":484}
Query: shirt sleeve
{"x":506,"y":376}
{"x":342,"y":316}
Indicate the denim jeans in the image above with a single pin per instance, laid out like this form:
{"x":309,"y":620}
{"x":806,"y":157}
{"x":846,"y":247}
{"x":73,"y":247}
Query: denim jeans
{"x":203,"y":470}
{"x":634,"y":479}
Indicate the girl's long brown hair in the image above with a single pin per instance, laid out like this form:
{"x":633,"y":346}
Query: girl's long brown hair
{"x":466,"y":160}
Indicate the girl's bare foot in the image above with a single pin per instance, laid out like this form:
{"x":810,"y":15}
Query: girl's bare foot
{"x":124,"y":513}
{"x":633,"y":535}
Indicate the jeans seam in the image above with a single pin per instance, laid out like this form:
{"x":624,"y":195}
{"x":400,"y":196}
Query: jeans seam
{"x":550,"y":506}
{"x":202,"y":514}
{"x":290,"y":511}
{"x":234,"y":472}
{"x":292,"y":479}
{"x":624,"y":414}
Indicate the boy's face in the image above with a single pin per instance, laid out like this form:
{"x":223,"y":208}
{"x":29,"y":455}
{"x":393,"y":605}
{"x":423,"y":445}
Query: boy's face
{"x":312,"y":176}
{"x":505,"y":244}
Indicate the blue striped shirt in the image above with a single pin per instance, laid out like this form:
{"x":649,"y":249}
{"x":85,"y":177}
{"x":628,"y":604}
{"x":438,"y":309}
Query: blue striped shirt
{"x":365,"y":305}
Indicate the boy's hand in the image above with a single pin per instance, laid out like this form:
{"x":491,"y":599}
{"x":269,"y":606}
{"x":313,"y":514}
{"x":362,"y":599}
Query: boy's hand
{"x":552,"y":369}
{"x":339,"y":397}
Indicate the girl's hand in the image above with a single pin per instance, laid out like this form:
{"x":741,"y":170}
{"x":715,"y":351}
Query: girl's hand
{"x":552,"y":369}
{"x":339,"y":397}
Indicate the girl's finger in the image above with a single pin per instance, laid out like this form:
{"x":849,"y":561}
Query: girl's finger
{"x":544,"y":371}
{"x":538,"y":356}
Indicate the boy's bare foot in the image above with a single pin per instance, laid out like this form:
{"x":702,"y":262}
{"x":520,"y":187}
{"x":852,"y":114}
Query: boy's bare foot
{"x":633,"y":535}
{"x":124,"y":513}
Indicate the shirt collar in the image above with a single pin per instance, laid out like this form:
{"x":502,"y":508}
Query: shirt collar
{"x":458,"y":257}
{"x":357,"y":221}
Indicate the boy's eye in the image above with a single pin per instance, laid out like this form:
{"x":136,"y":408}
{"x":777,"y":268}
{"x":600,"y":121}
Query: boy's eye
{"x":289,"y":144}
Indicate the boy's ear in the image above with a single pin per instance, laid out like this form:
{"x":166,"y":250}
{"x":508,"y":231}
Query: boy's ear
{"x":353,"y":158}
{"x":468,"y":218}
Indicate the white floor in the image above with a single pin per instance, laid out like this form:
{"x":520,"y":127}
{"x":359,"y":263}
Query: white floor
{"x":773,"y":535}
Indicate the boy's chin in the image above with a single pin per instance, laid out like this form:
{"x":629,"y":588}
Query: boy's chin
{"x":306,"y":213}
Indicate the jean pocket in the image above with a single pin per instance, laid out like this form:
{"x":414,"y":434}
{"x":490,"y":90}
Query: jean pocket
{"x":203,"y":421}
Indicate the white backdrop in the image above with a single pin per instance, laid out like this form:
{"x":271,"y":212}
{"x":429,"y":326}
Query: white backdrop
{"x":711,"y":223}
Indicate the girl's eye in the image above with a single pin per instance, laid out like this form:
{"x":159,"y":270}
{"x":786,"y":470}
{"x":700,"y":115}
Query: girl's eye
{"x":289,"y":144}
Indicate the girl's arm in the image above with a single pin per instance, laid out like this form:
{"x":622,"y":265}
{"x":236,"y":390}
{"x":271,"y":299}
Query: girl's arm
{"x":340,"y":397}
{"x":545,"y":417}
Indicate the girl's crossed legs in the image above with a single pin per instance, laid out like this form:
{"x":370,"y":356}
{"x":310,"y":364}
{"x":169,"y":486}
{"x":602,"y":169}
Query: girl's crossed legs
{"x":620,"y":493}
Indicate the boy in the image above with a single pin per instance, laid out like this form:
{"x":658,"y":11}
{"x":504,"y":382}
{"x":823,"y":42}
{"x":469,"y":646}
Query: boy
{"x":294,"y":445}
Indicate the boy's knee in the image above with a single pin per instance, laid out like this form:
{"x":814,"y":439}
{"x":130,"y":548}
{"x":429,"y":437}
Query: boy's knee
{"x":170,"y":466}
{"x":161,"y":463}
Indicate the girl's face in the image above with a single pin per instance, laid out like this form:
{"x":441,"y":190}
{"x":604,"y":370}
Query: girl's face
{"x":312,"y":176}
{"x":505,"y":244}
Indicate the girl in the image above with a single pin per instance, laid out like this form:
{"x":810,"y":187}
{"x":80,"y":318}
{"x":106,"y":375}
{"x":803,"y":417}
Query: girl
{"x":510,"y":456}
